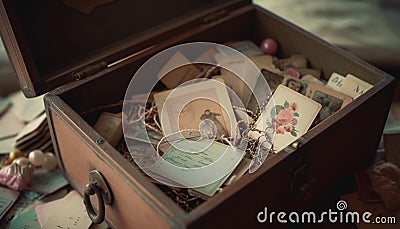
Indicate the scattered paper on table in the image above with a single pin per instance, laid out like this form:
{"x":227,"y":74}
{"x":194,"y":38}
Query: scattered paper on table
{"x":26,"y":109}
{"x":26,"y":219}
{"x":10,"y":125}
{"x":4,"y":105}
{"x":47,"y":182}
{"x":32,"y":126}
{"x":44,"y":211}
{"x":7,"y":145}
{"x":69,"y":213}
{"x":7,"y":199}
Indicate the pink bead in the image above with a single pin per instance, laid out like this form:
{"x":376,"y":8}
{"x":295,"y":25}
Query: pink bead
{"x":269,"y":46}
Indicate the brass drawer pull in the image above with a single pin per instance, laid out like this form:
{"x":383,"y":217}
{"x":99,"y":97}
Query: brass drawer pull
{"x":97,"y":186}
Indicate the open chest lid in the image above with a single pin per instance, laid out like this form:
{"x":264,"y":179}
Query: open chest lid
{"x":48,"y":42}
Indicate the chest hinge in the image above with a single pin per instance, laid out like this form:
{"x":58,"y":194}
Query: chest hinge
{"x":89,"y":70}
{"x":215,"y":17}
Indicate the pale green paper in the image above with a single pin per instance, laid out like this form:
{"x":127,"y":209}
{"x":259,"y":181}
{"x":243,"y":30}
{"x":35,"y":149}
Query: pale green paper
{"x":196,"y":160}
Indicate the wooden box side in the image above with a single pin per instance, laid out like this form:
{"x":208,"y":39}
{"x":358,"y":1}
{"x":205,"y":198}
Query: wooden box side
{"x":136,"y":201}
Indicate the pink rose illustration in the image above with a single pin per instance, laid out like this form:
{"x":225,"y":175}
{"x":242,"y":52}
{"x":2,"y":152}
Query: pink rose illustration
{"x":280,"y":130}
{"x":275,"y":125}
{"x":288,"y":128}
{"x":294,"y":106}
{"x":284,"y":116}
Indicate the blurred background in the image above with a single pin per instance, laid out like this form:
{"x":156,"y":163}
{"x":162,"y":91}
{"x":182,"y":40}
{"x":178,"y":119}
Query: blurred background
{"x":369,"y":29}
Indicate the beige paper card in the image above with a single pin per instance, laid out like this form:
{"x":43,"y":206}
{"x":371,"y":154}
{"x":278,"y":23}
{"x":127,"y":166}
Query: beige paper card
{"x":179,"y":75}
{"x":70,"y":213}
{"x":323,"y":94}
{"x":354,"y":87}
{"x":187,"y":106}
{"x":335,"y":81}
{"x":234,"y":69}
{"x":264,"y":62}
{"x":290,"y":114}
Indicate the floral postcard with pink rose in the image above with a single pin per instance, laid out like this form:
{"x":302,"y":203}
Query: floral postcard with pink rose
{"x":290,"y":114}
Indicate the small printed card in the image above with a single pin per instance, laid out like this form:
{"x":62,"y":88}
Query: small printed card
{"x":289,"y":114}
{"x":315,"y":91}
{"x":187,"y":107}
{"x":70,"y":212}
{"x":272,"y":78}
{"x":311,"y":79}
{"x":331,"y":100}
{"x":354,"y":86}
{"x":295,"y":84}
{"x":172,"y":77}
{"x":335,"y":81}
{"x":247,"y":47}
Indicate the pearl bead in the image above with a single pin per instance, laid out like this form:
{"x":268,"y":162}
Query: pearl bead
{"x":22,"y":161}
{"x":269,"y":46}
{"x":36,"y":157}
{"x":50,"y":161}
{"x":12,"y":156}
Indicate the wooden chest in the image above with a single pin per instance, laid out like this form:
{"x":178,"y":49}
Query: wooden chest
{"x":49,"y":42}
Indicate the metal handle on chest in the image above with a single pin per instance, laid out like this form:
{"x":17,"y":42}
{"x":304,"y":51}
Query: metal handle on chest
{"x":301,"y":182}
{"x":97,"y":186}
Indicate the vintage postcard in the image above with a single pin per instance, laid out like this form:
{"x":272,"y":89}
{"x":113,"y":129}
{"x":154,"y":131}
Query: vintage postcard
{"x":236,"y":69}
{"x":335,"y":81}
{"x":354,"y":86}
{"x":189,"y":106}
{"x":172,"y":77}
{"x":331,"y":100}
{"x":109,"y":126}
{"x":289,"y":114}
{"x":272,"y":79}
{"x":311,"y":79}
{"x":205,"y":169}
{"x":246,"y":47}
{"x":264,"y":62}
{"x":295,"y":84}
{"x":233,"y":82}
{"x":138,"y":131}
{"x":135,"y":126}
{"x":314,"y":89}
